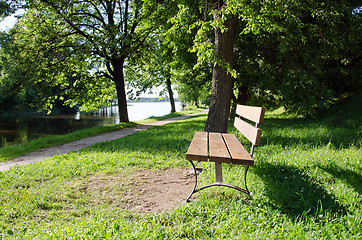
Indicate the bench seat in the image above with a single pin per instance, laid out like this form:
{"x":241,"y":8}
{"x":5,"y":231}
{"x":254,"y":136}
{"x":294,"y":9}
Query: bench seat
{"x":218,"y":147}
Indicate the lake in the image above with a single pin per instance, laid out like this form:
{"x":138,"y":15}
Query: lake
{"x":16,"y":130}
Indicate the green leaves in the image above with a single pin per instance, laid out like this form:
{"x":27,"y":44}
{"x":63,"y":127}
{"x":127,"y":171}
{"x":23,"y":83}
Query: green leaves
{"x":8,"y":7}
{"x":295,"y":50}
{"x":76,"y":50}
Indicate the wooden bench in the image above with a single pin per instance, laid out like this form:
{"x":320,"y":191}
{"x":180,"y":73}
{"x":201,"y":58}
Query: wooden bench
{"x":226,"y":148}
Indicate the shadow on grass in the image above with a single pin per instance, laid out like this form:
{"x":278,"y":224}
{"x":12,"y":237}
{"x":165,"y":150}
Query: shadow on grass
{"x":352,"y":178}
{"x":287,"y":132}
{"x":294,"y":193}
{"x":341,"y":125}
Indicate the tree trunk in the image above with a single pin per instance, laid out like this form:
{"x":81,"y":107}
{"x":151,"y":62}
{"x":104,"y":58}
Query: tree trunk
{"x":118,"y":78}
{"x":170,"y":93}
{"x":222,"y":82}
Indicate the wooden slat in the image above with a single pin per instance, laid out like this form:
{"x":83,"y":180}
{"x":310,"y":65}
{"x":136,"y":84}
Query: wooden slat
{"x":198,"y":149}
{"x":237,"y":151}
{"x":249,"y":131}
{"x":255,"y":114}
{"x":218,"y":150}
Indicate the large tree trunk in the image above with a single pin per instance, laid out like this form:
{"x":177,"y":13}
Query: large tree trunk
{"x":222,"y":82}
{"x":170,"y":93}
{"x":118,"y":78}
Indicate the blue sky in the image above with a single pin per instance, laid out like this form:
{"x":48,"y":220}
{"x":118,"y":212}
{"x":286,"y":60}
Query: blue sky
{"x":10,"y":21}
{"x":7,"y":23}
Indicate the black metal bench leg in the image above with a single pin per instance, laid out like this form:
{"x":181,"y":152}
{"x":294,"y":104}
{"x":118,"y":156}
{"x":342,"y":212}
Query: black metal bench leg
{"x":246,"y":187}
{"x":194,"y":189}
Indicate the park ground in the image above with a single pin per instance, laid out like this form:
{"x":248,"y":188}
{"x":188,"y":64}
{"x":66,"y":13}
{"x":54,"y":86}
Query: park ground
{"x":306,"y":184}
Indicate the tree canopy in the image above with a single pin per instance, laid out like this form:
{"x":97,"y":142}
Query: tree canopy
{"x":303,"y":55}
{"x":86,"y":44}
{"x":300,"y":55}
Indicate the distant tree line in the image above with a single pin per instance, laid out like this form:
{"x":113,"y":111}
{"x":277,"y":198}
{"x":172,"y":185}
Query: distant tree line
{"x":151,"y":99}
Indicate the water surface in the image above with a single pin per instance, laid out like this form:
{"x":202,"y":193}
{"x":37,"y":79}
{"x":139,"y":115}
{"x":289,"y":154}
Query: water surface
{"x":15,"y":130}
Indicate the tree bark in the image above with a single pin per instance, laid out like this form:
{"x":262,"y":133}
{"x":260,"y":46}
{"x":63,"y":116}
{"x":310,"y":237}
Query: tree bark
{"x":170,"y":93}
{"x":222,"y":82}
{"x":118,"y":78}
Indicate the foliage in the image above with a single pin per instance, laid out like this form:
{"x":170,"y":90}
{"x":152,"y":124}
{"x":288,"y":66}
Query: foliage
{"x":305,"y":184}
{"x":52,"y":71}
{"x":9,"y":92}
{"x":81,"y":47}
{"x":169,"y":56}
{"x":195,"y":87}
{"x":303,"y":55}
{"x":149,"y":70}
{"x":16,"y":89}
{"x":306,"y":54}
{"x":193,"y":78}
{"x":8,"y":7}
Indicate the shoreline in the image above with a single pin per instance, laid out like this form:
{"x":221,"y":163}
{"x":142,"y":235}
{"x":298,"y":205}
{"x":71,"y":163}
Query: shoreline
{"x":45,"y":153}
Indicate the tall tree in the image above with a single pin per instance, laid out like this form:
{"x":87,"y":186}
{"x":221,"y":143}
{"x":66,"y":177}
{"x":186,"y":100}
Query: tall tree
{"x":213,"y":51}
{"x":299,"y":39}
{"x":193,"y":76}
{"x":169,"y":59}
{"x":107,"y":32}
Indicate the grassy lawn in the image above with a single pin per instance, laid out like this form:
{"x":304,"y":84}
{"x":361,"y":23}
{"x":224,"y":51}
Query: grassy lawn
{"x":306,"y":184}
{"x":10,"y":152}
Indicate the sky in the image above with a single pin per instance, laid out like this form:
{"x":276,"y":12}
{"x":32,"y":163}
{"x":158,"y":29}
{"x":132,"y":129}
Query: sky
{"x":10,"y":21}
{"x":7,"y":23}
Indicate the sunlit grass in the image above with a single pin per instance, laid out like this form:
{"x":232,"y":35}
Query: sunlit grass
{"x":306,"y":184}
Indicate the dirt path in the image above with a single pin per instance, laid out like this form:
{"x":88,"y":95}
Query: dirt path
{"x":46,"y":153}
{"x":141,"y":190}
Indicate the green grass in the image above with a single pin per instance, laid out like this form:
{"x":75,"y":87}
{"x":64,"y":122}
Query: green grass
{"x":10,"y":152}
{"x":306,"y":184}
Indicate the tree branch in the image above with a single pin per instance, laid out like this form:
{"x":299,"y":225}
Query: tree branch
{"x":108,"y":65}
{"x":89,"y":15}
{"x":76,"y":28}
{"x":126,"y":18}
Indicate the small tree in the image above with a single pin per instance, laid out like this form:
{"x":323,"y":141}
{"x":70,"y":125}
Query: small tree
{"x":152,"y":69}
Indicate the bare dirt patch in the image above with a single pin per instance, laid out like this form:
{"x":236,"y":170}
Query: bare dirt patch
{"x":141,"y":190}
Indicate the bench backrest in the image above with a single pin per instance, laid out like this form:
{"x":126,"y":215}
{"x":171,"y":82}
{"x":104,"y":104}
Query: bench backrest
{"x":254,"y":114}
